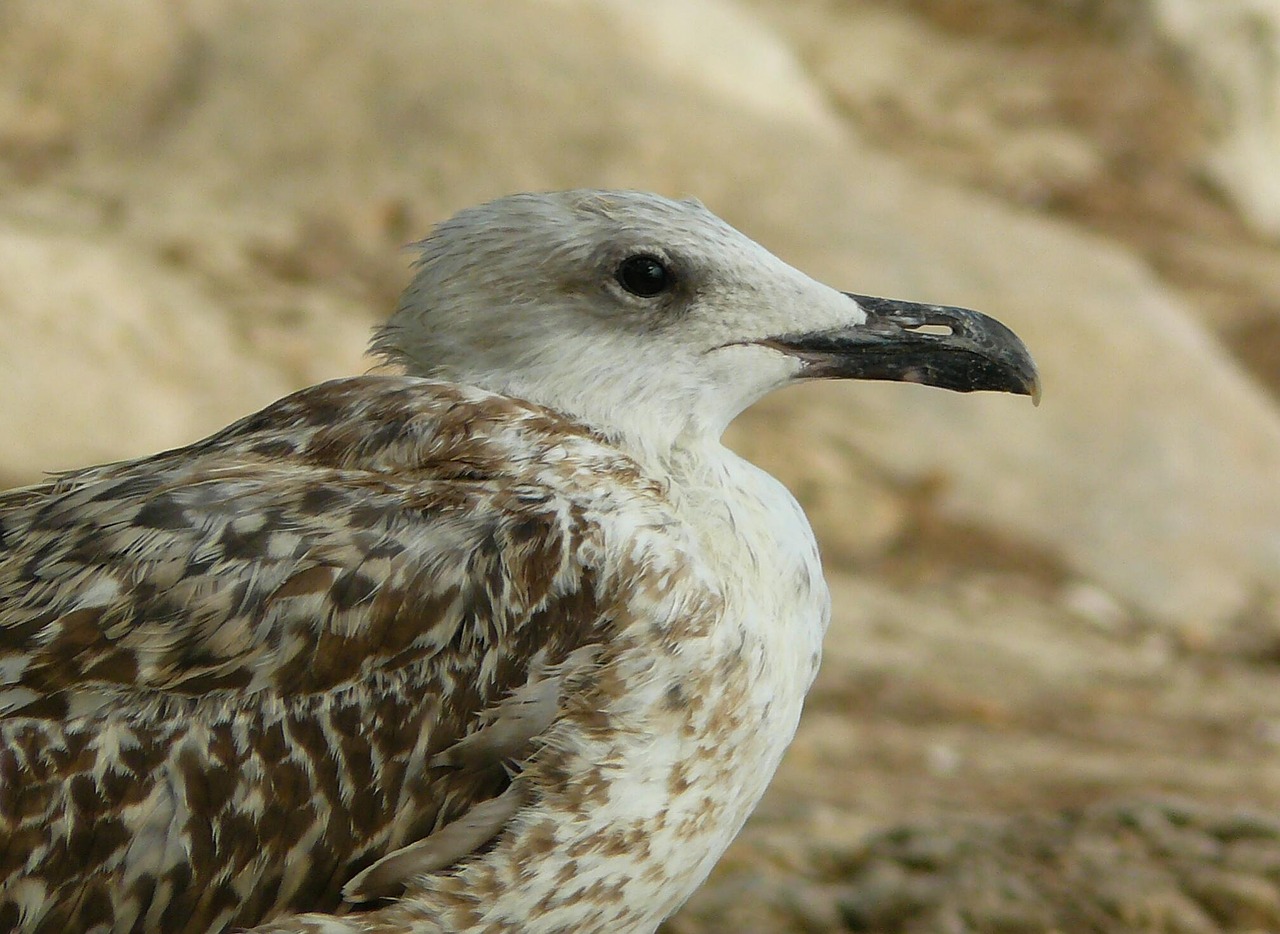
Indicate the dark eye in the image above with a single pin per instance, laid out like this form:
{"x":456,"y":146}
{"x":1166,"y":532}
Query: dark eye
{"x":645,"y":276}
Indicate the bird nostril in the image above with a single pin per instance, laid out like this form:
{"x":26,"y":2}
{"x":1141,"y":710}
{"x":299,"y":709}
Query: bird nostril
{"x":941,"y":330}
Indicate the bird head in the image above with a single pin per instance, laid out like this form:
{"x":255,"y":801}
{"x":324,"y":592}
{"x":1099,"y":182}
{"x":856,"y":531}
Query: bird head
{"x":652,"y":319}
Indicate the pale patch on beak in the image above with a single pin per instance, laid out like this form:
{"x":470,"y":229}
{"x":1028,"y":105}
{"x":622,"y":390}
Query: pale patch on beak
{"x":936,"y":345}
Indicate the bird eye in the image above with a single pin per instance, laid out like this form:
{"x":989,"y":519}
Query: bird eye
{"x":645,"y":276}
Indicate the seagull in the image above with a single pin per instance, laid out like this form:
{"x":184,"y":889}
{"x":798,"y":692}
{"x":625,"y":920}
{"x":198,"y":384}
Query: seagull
{"x":502,"y":640}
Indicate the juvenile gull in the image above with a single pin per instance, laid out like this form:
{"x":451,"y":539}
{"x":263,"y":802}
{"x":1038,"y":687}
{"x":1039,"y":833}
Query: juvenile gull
{"x":509,"y":643}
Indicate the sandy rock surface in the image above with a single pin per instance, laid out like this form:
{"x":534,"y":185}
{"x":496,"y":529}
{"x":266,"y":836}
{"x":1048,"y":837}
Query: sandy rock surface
{"x":1050,"y":623}
{"x":1230,"y":52}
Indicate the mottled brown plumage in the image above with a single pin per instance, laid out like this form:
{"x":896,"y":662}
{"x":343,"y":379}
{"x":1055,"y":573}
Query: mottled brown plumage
{"x":511,"y":644}
{"x":270,"y":645}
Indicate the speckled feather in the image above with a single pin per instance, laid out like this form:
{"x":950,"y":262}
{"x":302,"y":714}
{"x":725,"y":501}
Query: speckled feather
{"x":233,"y":673}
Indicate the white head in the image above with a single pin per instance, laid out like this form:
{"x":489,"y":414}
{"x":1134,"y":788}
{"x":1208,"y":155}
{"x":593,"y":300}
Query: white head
{"x":653,"y":320}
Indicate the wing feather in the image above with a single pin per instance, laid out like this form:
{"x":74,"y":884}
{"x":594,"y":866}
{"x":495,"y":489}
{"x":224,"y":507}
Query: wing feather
{"x":215,"y":568}
{"x":243,"y":663}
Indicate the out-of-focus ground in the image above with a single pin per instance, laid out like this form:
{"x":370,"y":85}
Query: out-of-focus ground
{"x":1051,"y":696}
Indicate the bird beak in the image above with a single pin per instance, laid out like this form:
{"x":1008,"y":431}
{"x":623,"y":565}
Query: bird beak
{"x":937,"y":345}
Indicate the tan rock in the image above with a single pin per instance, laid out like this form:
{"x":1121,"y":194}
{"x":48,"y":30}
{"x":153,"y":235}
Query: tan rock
{"x":103,"y":72}
{"x":1230,"y":49}
{"x":107,"y":354}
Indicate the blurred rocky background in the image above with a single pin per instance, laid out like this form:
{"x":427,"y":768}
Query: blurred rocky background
{"x":1051,"y":699}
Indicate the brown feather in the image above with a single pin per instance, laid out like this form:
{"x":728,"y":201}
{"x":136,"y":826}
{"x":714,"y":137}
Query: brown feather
{"x":231,"y":675}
